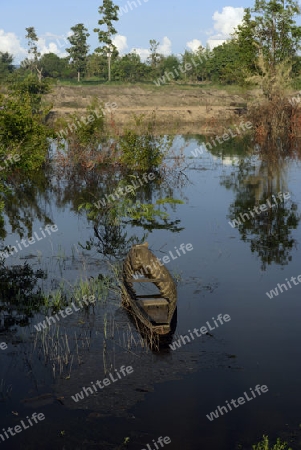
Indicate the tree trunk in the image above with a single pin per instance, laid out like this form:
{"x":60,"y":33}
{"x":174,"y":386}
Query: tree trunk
{"x":109,"y":62}
{"x":39,"y":74}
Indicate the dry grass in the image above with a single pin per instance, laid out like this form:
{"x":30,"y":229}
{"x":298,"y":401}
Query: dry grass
{"x":276,"y":119}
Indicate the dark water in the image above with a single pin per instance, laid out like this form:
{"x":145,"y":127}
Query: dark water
{"x":228,"y":271}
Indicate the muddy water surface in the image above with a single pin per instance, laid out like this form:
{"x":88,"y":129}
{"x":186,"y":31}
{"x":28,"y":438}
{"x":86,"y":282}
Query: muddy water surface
{"x":169,"y":392}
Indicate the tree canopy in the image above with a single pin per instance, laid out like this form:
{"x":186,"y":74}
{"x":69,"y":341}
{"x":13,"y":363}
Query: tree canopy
{"x":79,"y":48}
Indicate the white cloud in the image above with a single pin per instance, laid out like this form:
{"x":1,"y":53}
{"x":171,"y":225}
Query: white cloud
{"x":227,"y":20}
{"x":224,"y":24}
{"x":165,"y":48}
{"x":193,"y":45}
{"x":46,"y":44}
{"x":60,"y":40}
{"x":10,"y":43}
{"x":43,"y":48}
{"x":215,"y":43}
{"x":120,"y":42}
{"x":142,"y":52}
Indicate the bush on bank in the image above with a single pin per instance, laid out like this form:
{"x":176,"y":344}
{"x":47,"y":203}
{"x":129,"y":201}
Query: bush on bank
{"x":23,"y":129}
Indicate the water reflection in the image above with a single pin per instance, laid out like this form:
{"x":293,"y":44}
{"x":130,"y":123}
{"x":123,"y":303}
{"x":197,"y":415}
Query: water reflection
{"x":55,"y":190}
{"x":27,"y":200}
{"x":145,"y":209}
{"x":20,"y":297}
{"x":155,"y":342}
{"x":269,"y":232}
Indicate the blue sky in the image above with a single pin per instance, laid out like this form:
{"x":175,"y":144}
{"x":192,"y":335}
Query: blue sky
{"x":175,"y":24}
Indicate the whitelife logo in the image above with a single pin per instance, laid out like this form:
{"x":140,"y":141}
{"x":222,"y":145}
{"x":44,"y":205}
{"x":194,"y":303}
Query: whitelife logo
{"x":31,"y":241}
{"x":9,"y":161}
{"x":274,"y":292}
{"x":203,"y":330}
{"x":128,"y":189}
{"x":86,"y":120}
{"x":240,"y":401}
{"x":165,"y":259}
{"x":3,"y":346}
{"x":68,"y":311}
{"x":259,"y":209}
{"x":125,"y":10}
{"x":88,"y":390}
{"x":160,"y":441}
{"x":35,"y":417}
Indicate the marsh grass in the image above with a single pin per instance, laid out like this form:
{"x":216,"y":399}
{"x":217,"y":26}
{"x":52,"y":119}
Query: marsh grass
{"x":58,"y":350}
{"x":66,"y":293}
{"x":276,"y":120}
{"x":99,"y":287}
{"x":62,"y":346}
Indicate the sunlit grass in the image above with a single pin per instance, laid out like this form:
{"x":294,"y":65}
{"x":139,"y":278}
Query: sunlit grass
{"x":66,"y":293}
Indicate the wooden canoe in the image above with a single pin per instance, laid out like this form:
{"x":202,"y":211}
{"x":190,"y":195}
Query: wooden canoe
{"x":155,"y":310}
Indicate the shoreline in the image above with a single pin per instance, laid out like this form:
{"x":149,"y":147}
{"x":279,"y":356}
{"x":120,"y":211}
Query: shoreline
{"x":179,"y":109}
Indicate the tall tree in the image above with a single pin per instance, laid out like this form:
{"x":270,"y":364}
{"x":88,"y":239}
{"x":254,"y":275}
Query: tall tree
{"x":274,"y":29}
{"x":244,"y":38}
{"x":154,"y":57}
{"x":33,"y":50}
{"x":79,"y":48}
{"x":109,"y":13}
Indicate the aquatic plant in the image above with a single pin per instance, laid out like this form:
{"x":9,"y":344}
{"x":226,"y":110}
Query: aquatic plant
{"x":62,"y":297}
{"x":264,"y":445}
{"x":99,"y":287}
{"x":53,"y":346}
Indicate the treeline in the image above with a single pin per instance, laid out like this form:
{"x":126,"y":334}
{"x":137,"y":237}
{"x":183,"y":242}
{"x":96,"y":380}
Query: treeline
{"x":126,"y":68}
{"x":268,"y":30}
{"x":225,"y":64}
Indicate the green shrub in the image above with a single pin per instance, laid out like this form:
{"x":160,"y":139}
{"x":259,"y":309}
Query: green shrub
{"x":83,"y":129}
{"x":140,"y":148}
{"x":22,"y":124}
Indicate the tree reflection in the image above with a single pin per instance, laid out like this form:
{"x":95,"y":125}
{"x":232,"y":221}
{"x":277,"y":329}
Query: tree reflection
{"x":19,"y":295}
{"x":22,"y":202}
{"x":145,"y":208}
{"x":269,"y":232}
{"x":30,"y":198}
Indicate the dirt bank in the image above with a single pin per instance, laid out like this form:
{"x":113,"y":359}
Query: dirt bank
{"x":180,"y":109}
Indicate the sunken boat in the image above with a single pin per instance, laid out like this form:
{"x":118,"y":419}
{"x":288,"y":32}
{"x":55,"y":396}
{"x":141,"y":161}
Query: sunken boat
{"x":153,"y":310}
